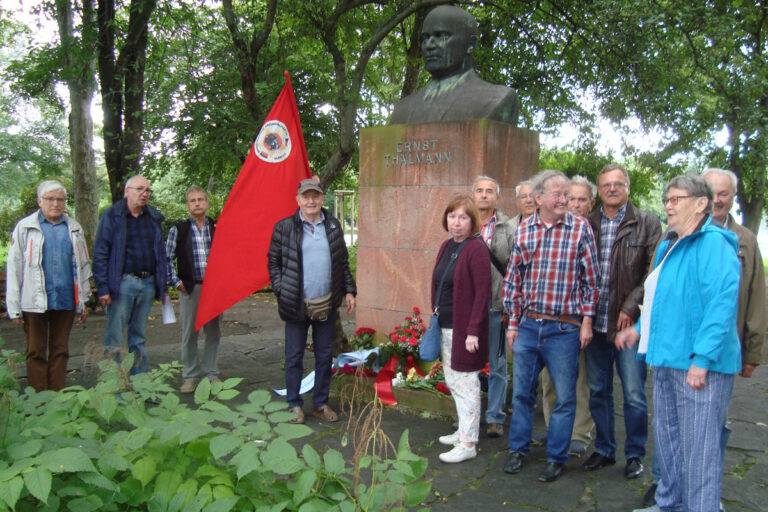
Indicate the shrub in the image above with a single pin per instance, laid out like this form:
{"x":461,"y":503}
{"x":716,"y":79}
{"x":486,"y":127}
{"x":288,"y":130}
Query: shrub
{"x":129,"y":444}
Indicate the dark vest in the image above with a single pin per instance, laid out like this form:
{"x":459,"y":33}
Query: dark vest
{"x":184,"y":255}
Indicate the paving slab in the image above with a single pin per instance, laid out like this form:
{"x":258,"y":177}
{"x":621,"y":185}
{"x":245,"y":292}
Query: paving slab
{"x":252,"y":347}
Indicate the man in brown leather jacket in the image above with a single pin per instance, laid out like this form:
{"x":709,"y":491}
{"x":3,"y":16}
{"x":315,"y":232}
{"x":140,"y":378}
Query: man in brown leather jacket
{"x":626,"y":238}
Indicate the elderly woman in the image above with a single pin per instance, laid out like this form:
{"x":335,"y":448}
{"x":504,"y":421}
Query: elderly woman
{"x":687,"y":333}
{"x":463,"y":267}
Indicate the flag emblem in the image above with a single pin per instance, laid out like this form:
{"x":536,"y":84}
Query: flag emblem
{"x":273,"y":143}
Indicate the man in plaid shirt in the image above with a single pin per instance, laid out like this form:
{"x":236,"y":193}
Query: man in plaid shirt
{"x":550,"y":292}
{"x":189,"y":242}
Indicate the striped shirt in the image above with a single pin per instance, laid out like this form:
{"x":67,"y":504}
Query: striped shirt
{"x":201,"y":245}
{"x":609,"y":228}
{"x":553,"y":270}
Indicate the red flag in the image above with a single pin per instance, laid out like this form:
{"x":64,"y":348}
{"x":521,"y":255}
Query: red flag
{"x":265,"y":192}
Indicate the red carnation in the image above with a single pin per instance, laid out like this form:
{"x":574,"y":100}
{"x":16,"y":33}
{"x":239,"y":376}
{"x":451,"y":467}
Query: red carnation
{"x":413,"y":341}
{"x":416,"y":311}
{"x":441,"y":387}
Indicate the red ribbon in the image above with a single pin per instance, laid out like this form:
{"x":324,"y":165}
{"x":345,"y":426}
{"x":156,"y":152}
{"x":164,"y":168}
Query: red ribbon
{"x":411,"y":363}
{"x":383,"y":383}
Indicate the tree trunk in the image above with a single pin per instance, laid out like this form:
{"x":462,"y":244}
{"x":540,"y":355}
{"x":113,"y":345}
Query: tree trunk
{"x":122,"y":90}
{"x":413,"y":56}
{"x":81,"y":84}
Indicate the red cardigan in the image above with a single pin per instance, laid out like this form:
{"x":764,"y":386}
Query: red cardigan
{"x":471,"y":296}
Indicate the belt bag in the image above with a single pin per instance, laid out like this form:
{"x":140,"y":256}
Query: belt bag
{"x":319,"y":308}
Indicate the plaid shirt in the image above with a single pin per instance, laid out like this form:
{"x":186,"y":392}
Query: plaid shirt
{"x":552,"y":270}
{"x":609,"y":228}
{"x":201,"y":244}
{"x":139,"y":243}
{"x":486,"y":231}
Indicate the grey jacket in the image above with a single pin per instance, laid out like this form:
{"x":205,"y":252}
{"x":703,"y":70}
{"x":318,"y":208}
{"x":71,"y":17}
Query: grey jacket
{"x":25,"y":285}
{"x":501,"y":247}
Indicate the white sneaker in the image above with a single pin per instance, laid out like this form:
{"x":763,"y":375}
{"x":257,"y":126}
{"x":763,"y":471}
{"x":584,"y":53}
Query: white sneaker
{"x":654,"y":508}
{"x":450,"y":439}
{"x":460,"y":453}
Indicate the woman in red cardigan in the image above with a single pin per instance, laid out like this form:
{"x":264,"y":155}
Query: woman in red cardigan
{"x":463,"y":315}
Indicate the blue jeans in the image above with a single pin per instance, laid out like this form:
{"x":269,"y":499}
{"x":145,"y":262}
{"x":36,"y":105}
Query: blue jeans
{"x":295,"y":343}
{"x":130,"y":309}
{"x":555,"y":345}
{"x":497,"y":381}
{"x":601,"y":357}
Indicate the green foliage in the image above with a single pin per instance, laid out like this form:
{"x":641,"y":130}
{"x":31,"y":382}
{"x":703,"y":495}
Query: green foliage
{"x":104,"y":448}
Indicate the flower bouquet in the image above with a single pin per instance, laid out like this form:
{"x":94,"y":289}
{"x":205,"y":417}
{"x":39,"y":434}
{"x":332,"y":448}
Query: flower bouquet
{"x":404,"y":339}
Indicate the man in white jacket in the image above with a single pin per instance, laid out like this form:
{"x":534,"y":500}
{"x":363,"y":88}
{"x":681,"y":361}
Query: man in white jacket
{"x":47,"y":284}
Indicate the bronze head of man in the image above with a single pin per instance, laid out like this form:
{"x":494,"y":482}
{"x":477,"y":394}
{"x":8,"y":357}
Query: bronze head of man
{"x":455,"y":92}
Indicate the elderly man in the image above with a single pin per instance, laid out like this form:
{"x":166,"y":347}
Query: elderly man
{"x":581,"y":196}
{"x":627,"y":237}
{"x":581,"y":199}
{"x":550,"y":292}
{"x":455,"y":92}
{"x":189,"y":243}
{"x":47,"y":284}
{"x":751,"y":318}
{"x":524,"y":200}
{"x":309,"y":269}
{"x":129,"y":267}
{"x":498,"y":232}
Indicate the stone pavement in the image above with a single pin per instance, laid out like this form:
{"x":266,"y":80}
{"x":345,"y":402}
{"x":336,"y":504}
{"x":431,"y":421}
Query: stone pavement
{"x":252,"y":348}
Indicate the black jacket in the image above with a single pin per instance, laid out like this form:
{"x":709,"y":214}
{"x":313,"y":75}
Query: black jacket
{"x":285,"y":265}
{"x":631,"y":256}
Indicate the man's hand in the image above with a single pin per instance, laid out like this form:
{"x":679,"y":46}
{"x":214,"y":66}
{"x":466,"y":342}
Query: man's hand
{"x":696,"y":378}
{"x":18,"y":321}
{"x":747,"y":369}
{"x":182,"y":289}
{"x":105,"y":300}
{"x":350,"y":299}
{"x":82,"y":316}
{"x":626,"y":338}
{"x":624,"y":321}
{"x":585,"y":333}
{"x":511,"y":337}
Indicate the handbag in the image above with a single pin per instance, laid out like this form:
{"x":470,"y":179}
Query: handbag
{"x":429,"y":348}
{"x":318,"y":308}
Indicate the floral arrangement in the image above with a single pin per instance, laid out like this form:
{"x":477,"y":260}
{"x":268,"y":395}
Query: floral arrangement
{"x":363,"y":339}
{"x":433,"y":381}
{"x":405,"y":338}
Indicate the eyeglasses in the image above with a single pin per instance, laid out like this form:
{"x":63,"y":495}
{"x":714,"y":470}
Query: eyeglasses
{"x":141,"y":190}
{"x":674,"y":200}
{"x":61,"y":200}
{"x":615,"y":184}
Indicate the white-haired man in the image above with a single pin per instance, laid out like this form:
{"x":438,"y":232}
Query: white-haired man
{"x":47,"y":284}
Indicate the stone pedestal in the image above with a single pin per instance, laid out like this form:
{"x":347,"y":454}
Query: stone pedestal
{"x":408,"y":173}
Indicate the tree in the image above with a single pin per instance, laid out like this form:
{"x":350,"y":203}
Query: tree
{"x":122,"y":87}
{"x":79,"y":74}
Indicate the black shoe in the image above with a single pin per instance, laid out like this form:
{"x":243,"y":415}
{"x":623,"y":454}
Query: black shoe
{"x":597,"y":461}
{"x":634,"y":468}
{"x":649,"y":498}
{"x":514,"y":463}
{"x":577,"y":448}
{"x":552,"y":472}
{"x":540,"y":439}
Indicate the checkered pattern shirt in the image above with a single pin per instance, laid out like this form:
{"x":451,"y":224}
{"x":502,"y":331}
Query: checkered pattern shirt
{"x":139,"y":243}
{"x":609,"y":228}
{"x":486,"y":231}
{"x":201,"y":245}
{"x":553,"y":270}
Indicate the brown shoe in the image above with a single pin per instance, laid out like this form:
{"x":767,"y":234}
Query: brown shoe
{"x":494,"y":430}
{"x":188,"y":386}
{"x":325,"y":413}
{"x":299,"y":414}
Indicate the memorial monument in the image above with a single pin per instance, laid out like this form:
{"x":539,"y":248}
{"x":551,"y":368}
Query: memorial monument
{"x":439,"y":138}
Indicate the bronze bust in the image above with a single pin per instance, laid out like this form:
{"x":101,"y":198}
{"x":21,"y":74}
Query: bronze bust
{"x":454,"y":92}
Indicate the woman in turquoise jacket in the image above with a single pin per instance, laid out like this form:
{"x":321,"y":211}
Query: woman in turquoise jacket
{"x":687,"y":334}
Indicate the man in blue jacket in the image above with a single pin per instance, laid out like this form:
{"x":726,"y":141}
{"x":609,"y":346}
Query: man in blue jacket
{"x":129,"y":267}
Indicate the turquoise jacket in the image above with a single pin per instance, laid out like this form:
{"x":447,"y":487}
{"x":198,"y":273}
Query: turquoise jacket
{"x":693,"y":320}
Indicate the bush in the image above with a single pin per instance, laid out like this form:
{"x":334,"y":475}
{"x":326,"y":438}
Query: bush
{"x":104,"y":449}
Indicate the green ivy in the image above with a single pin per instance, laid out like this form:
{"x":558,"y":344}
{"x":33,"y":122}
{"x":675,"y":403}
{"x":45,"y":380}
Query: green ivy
{"x":130,"y":444}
